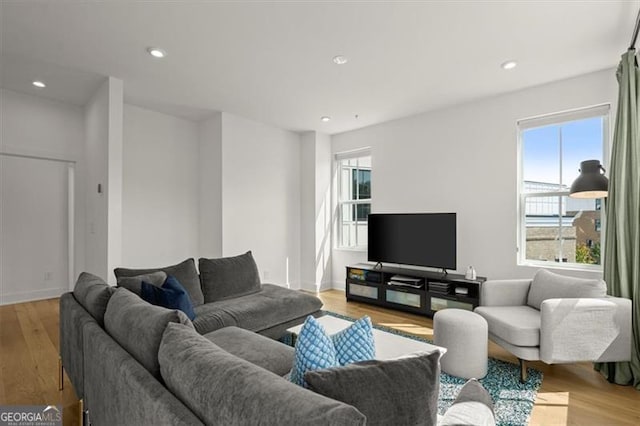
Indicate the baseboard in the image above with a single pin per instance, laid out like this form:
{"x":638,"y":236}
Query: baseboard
{"x":30,"y":296}
{"x":312,"y":288}
{"x":339,"y":286}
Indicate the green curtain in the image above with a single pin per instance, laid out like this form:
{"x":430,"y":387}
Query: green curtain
{"x":622,"y":245}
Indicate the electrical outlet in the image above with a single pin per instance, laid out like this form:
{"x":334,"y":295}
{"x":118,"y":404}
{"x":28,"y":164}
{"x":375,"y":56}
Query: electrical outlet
{"x":48,"y":276}
{"x":266,"y":274}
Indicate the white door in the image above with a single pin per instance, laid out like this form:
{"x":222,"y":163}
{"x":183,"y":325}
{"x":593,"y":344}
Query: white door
{"x":34,"y":230}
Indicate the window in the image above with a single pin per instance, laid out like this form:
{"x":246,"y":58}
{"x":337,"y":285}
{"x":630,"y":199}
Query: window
{"x":554,"y":228}
{"x":354,"y":198}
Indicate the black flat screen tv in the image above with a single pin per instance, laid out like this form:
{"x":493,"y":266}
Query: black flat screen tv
{"x":420,"y":239}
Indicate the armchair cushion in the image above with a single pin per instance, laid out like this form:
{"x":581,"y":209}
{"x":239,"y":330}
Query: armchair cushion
{"x":518,"y":325}
{"x":577,"y":329}
{"x":504,"y":292}
{"x":547,"y":285}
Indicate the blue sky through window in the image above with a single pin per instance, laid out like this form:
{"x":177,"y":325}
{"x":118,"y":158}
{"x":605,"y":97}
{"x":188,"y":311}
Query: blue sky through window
{"x":581,"y":140}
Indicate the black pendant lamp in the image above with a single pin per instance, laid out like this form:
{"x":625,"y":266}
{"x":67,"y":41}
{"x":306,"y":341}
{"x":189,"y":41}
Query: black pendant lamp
{"x":592,"y":183}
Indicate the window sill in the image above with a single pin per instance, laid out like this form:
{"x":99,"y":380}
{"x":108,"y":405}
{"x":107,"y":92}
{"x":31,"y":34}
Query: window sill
{"x":562,"y":266}
{"x":352,"y":249}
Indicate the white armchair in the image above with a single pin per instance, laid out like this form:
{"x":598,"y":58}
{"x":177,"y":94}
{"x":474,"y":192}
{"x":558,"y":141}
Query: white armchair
{"x":556,"y":319}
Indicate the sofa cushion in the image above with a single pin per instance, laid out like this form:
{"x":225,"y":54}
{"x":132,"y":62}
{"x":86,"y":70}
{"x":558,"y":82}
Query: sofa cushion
{"x":259,"y":350}
{"x":271,"y":306}
{"x":171,"y":295}
{"x":387,"y":392}
{"x":134,"y":284}
{"x":93,"y":294}
{"x":185,"y":272}
{"x":518,"y":325}
{"x":228,"y":277}
{"x":138,"y":326}
{"x":223,"y":389}
{"x":473,"y":406}
{"x":547,"y":285}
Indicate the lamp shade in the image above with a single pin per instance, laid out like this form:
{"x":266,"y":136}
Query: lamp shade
{"x":592,"y":183}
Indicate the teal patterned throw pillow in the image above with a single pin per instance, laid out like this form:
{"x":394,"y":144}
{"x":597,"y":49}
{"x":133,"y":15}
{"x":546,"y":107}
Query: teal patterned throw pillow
{"x":316,"y":350}
{"x":355,"y":343}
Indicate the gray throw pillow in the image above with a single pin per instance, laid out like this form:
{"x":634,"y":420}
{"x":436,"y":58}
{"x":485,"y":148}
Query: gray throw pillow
{"x":223,"y":389}
{"x":229,"y":277}
{"x":473,"y":406}
{"x":93,"y":294}
{"x":547,"y":285}
{"x":184,"y":272}
{"x":138,"y":326}
{"x":134,"y":284}
{"x":401,"y":391}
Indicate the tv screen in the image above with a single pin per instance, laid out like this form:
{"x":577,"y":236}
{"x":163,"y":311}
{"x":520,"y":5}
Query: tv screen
{"x":421,"y":239}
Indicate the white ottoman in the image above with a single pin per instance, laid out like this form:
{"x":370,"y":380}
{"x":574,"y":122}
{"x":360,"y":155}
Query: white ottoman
{"x":465,"y":335}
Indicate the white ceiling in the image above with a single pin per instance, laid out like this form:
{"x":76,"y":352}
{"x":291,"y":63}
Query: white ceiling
{"x":272,"y":62}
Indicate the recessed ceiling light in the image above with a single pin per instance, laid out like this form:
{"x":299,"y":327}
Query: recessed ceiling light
{"x":156,"y":52}
{"x":325,"y":118}
{"x":340,"y":60}
{"x":39,"y":84}
{"x":509,"y":65}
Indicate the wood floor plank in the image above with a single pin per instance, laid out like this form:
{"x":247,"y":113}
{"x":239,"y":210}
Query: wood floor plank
{"x":20,"y":381}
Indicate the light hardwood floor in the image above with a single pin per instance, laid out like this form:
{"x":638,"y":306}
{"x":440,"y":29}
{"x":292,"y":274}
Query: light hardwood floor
{"x":29,"y":342}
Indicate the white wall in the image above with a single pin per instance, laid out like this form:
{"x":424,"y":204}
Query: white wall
{"x":35,"y":126}
{"x":315,"y":213}
{"x":103,"y":155}
{"x":160,"y":188}
{"x":464,"y":159}
{"x":261,"y":197}
{"x":210,"y":186}
{"x":114,"y":178}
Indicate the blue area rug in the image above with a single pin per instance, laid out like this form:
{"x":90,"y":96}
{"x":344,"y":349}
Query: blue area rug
{"x":513,"y":401}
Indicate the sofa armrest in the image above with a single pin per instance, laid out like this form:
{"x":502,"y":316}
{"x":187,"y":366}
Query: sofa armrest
{"x":585,"y":329}
{"x":120,"y":391}
{"x":73,"y":317}
{"x":504,"y":292}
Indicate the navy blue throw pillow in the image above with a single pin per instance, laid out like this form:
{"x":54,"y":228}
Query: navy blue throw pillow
{"x":171,"y":295}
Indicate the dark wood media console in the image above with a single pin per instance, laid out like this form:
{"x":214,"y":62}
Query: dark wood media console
{"x":411,"y":290}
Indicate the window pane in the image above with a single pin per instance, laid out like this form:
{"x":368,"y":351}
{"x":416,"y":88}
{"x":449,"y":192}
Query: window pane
{"x":581,"y":140}
{"x":364,"y":184}
{"x":362,"y":230}
{"x":348,"y":211}
{"x":573,"y":236}
{"x":541,"y":159}
{"x":363,"y":211}
{"x":346,"y":235}
{"x":586,"y":220}
{"x":345,"y":183}
{"x":542,"y":228}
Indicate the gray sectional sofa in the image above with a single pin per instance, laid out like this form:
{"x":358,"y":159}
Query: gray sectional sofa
{"x":134,"y":363}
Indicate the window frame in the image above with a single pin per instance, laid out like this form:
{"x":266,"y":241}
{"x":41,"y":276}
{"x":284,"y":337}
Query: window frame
{"x":601,"y":110}
{"x":339,"y":158}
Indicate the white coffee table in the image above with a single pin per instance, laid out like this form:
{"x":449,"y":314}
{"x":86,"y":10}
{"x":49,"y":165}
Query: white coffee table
{"x":388,"y":345}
